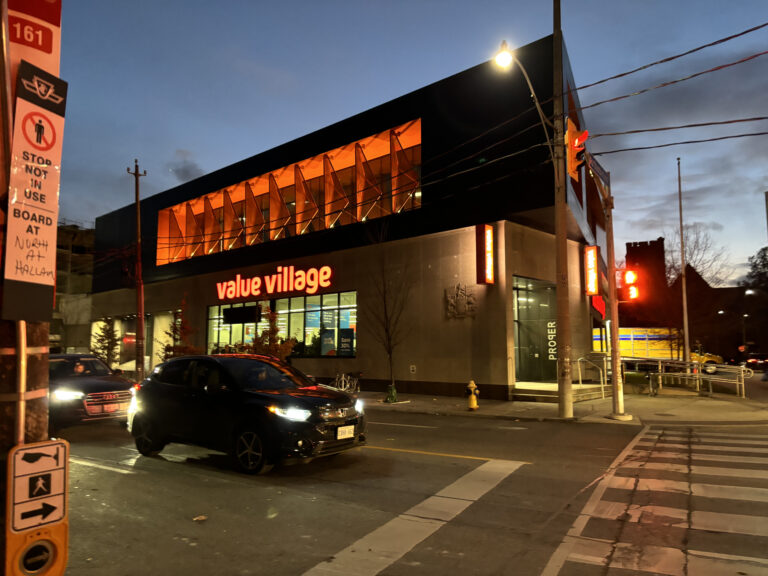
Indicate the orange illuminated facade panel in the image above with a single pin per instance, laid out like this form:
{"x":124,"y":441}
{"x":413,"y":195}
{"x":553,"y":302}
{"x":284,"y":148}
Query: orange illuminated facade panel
{"x":591,"y":271}
{"x":370,"y":178}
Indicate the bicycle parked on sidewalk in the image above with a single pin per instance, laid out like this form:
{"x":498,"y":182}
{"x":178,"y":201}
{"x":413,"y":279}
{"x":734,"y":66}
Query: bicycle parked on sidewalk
{"x":349,"y":383}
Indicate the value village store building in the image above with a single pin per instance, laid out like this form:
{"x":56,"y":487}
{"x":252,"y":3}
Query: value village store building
{"x":443,"y":198}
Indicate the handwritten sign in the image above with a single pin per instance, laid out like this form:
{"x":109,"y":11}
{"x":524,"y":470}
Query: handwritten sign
{"x":33,"y":195}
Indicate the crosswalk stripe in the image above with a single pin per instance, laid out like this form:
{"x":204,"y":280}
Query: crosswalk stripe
{"x":711,"y":457}
{"x":696,"y":440}
{"x":714,"y":491}
{"x":388,"y":543}
{"x":704,"y":470}
{"x":660,"y":559}
{"x":699,"y":448}
{"x":730,"y":523}
{"x":677,"y":517}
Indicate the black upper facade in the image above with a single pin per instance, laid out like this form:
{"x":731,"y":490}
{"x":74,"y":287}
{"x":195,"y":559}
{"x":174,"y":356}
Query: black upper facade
{"x":483,"y":158}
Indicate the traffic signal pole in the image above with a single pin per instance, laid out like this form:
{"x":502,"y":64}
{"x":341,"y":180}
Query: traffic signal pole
{"x":617,"y":377}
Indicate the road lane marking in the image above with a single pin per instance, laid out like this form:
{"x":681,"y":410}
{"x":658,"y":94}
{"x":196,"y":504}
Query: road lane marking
{"x":92,"y":464}
{"x":402,"y":425}
{"x":425,"y":453}
{"x":390,"y":542}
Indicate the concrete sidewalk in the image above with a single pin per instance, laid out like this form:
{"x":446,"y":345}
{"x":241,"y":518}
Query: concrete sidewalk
{"x":671,"y":407}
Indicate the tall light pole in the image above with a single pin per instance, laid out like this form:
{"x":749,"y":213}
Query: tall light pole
{"x":139,"y":282}
{"x":505,"y":58}
{"x":686,"y":338}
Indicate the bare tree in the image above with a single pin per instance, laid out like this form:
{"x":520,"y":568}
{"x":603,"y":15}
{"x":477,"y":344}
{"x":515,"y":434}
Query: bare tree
{"x":701,"y":252}
{"x":385,"y":312}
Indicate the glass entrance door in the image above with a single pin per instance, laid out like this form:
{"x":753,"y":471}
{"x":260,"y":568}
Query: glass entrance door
{"x":535,"y":330}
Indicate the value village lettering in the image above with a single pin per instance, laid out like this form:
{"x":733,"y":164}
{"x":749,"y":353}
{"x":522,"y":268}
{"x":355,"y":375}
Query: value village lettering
{"x":285,"y":279}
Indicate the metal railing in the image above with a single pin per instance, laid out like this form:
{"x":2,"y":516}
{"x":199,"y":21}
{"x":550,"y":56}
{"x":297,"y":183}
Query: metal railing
{"x":700,"y":376}
{"x":602,"y":371}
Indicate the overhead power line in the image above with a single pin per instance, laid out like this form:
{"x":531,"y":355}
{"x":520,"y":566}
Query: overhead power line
{"x":671,"y":58}
{"x":679,"y":127}
{"x":672,"y":82}
{"x":704,"y":140}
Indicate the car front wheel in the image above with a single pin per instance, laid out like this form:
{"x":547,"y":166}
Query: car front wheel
{"x":145,"y":434}
{"x":250,"y":451}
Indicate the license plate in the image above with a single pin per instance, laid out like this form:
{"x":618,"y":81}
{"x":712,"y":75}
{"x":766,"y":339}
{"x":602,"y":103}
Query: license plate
{"x":111,"y":407}
{"x":345,"y":432}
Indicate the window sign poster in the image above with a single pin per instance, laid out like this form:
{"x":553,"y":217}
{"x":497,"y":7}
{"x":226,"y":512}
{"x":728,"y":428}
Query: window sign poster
{"x":346,"y":342}
{"x":313,"y":319}
{"x":328,"y":342}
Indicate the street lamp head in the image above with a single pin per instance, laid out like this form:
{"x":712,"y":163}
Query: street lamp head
{"x":504,"y":57}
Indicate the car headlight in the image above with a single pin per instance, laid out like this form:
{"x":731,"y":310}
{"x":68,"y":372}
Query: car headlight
{"x":359,"y":407}
{"x":63,"y":395}
{"x":292,"y":414}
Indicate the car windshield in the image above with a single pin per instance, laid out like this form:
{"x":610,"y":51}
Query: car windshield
{"x":71,"y":367}
{"x":252,"y":374}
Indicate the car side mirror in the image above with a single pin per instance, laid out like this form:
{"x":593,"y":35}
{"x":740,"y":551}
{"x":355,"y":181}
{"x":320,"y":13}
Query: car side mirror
{"x":117,"y":371}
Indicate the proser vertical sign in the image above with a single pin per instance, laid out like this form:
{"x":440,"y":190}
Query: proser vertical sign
{"x":33,"y":196}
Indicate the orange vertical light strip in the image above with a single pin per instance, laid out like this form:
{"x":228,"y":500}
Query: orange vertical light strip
{"x":590,"y":270}
{"x":488,"y":236}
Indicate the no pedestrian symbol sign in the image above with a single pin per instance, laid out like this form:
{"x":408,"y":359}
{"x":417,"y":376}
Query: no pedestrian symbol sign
{"x":33,"y":196}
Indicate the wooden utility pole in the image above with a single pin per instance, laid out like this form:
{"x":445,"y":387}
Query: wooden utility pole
{"x":139,"y":282}
{"x":23,"y":346}
{"x":564,"y":383}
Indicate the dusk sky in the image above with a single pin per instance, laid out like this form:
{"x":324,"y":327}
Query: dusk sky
{"x":189,"y":87}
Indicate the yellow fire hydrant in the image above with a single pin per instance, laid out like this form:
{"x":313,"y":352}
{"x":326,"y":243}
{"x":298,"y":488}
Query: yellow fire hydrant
{"x":472,"y":392}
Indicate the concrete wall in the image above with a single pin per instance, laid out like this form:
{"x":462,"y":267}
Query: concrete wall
{"x":441,"y":351}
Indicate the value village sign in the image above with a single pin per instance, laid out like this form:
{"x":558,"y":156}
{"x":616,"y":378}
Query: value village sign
{"x":33,"y":196}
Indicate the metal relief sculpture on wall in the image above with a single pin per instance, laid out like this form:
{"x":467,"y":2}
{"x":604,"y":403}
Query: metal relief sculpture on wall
{"x":460,"y":301}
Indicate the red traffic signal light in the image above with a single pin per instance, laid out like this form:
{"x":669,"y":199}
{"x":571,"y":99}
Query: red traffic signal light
{"x":629,"y":289}
{"x":574,"y":149}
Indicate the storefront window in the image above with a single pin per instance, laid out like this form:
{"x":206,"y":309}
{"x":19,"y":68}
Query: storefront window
{"x":322,"y":325}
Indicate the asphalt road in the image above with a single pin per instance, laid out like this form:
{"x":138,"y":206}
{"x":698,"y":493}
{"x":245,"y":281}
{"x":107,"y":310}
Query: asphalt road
{"x":428,"y":495}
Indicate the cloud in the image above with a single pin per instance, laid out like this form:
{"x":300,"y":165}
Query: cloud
{"x":184,"y":167}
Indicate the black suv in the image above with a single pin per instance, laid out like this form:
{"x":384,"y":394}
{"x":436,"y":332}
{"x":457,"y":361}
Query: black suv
{"x":258,"y":409}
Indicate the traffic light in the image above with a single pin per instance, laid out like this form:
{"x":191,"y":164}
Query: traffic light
{"x":574,"y":149}
{"x":629,"y":290}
